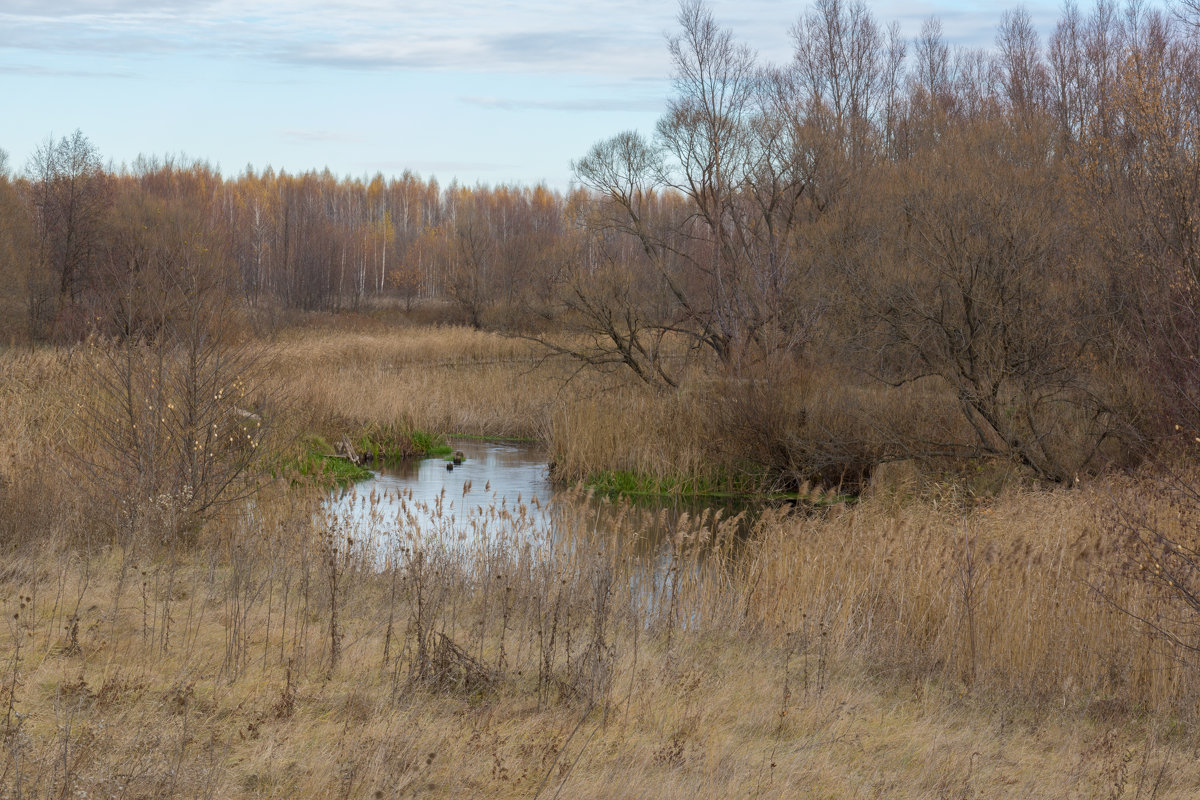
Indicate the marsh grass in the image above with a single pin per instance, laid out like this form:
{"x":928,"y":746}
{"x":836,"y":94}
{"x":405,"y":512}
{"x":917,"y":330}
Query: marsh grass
{"x":764,"y":435}
{"x":313,"y":459}
{"x":299,"y":654}
{"x":938,"y":643}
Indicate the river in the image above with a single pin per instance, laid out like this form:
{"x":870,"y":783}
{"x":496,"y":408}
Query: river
{"x":501,"y":495}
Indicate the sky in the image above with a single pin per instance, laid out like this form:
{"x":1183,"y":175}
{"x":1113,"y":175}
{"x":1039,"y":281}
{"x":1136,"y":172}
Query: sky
{"x":480,"y":92}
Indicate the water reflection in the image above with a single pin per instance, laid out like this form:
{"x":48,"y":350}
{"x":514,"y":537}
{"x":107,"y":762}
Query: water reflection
{"x":499,"y":508}
{"x":504,"y":487}
{"x":498,"y":485}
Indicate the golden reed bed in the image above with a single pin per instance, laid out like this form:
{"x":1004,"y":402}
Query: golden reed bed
{"x":912,"y":645}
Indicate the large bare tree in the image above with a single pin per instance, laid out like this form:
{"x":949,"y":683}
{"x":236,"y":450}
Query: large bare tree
{"x":748,"y":154}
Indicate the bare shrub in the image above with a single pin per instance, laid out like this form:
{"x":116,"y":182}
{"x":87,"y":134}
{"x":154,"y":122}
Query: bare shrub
{"x":171,"y":430}
{"x":776,"y":433}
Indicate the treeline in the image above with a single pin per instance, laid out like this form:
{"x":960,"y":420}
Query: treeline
{"x":1015,"y":230}
{"x":80,"y":242}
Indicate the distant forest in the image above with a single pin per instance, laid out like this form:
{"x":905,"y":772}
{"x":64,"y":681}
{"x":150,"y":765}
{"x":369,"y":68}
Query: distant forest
{"x":1020,"y":223}
{"x":75,"y":233}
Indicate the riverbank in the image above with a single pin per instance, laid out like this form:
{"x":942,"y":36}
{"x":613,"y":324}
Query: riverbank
{"x":716,"y":438}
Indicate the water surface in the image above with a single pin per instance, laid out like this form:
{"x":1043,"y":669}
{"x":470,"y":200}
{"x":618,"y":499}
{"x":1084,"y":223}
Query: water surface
{"x":498,"y":482}
{"x":502,"y":494}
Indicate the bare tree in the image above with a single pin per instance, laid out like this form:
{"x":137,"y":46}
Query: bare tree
{"x":980,"y":293}
{"x":931,"y":74}
{"x":1142,"y":174}
{"x":740,"y":157}
{"x":175,"y":425}
{"x":848,"y":72}
{"x":473,"y":253}
{"x":72,"y":194}
{"x":1189,"y":12}
{"x":16,"y":248}
{"x":1022,"y":74}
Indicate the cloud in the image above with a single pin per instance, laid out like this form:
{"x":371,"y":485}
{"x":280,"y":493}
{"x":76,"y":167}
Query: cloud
{"x":29,"y":70}
{"x":115,"y":37}
{"x":464,"y":35}
{"x":595,"y":104}
{"x":548,"y":45}
{"x":619,"y":37}
{"x":539,"y":51}
{"x":365,"y":56}
{"x":73,"y":8}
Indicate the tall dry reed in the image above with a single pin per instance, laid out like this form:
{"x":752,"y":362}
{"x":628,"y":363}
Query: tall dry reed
{"x":1027,"y":595}
{"x":395,"y":649}
{"x":909,"y":646}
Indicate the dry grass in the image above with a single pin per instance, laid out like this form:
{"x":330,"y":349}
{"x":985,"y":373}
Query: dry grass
{"x":441,"y":380}
{"x":1016,"y":597}
{"x":628,"y":428}
{"x":38,"y":390}
{"x":914,"y":645}
{"x":419,"y":346}
{"x":457,"y":380}
{"x":823,"y":426}
{"x":209,"y":673}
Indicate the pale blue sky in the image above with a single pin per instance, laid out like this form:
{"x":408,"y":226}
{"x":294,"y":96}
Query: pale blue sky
{"x":479,"y":91}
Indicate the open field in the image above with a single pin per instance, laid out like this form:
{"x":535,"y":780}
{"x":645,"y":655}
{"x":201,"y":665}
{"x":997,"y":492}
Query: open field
{"x":937,"y":639}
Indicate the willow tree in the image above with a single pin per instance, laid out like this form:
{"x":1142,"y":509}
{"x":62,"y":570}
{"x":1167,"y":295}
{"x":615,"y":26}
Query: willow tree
{"x":754,"y":156}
